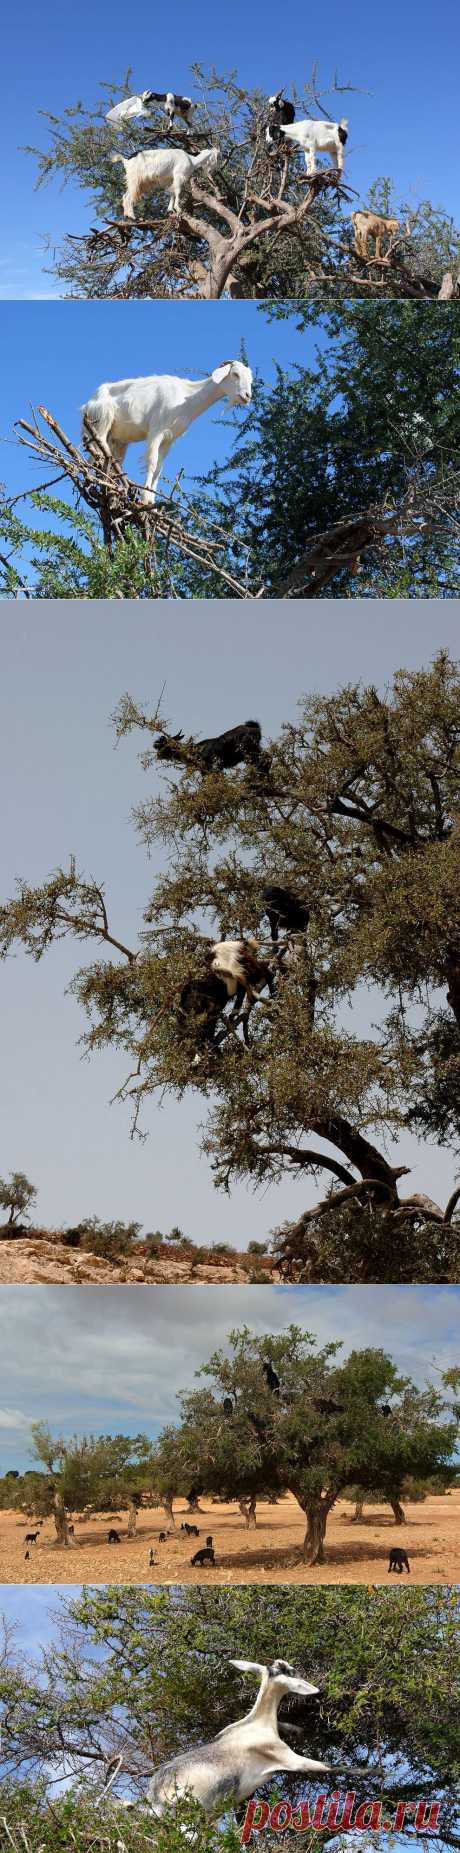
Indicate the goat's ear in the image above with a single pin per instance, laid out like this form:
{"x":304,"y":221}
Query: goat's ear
{"x":247,"y":1666}
{"x":221,"y":373}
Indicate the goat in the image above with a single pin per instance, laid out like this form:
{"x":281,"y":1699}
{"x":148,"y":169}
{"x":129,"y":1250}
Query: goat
{"x":129,"y":109}
{"x":372,"y":225}
{"x":206,"y":1555}
{"x":244,"y":1755}
{"x":158,"y":409}
{"x":155,"y":168}
{"x":237,"y":746}
{"x":26,"y":1556}
{"x":162,"y":1536}
{"x":318,"y":138}
{"x":398,"y":1561}
{"x":31,"y":1536}
{"x":245,"y":975}
{"x":152,"y":1558}
{"x":326,"y":1406}
{"x":203,"y":1000}
{"x":227,"y":1406}
{"x":209,"y":1543}
{"x":113,"y":1537}
{"x":280,"y":111}
{"x":173,"y":105}
{"x":271,"y":1377}
{"x":191,"y":1530}
{"x":284,"y":909}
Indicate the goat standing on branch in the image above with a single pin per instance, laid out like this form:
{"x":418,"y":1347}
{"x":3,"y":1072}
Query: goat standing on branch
{"x":156,"y":168}
{"x":372,"y":225}
{"x":158,"y":409}
{"x":318,"y":138}
{"x":280,"y":112}
{"x":173,"y":105}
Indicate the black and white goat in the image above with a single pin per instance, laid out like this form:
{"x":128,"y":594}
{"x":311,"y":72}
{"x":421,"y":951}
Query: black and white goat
{"x":280,"y":111}
{"x":237,"y":746}
{"x":173,"y":105}
{"x":237,"y":963}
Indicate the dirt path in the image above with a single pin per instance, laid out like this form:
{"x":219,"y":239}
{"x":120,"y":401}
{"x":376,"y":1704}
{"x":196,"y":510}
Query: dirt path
{"x":355,"y":1553}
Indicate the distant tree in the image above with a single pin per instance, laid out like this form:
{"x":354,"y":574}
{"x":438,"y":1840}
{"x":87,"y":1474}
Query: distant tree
{"x":322,"y":1432}
{"x":95,"y":1472}
{"x":17,"y":1196}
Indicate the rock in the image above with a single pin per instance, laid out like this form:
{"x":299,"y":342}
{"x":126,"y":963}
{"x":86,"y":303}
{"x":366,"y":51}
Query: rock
{"x":43,"y":1258}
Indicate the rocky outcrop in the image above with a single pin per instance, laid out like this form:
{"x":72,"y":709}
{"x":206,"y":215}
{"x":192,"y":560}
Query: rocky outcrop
{"x":39,"y":1259}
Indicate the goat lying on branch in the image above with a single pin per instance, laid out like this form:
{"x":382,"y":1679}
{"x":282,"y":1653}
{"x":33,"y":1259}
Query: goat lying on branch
{"x":158,"y":409}
{"x":156,"y":168}
{"x":237,"y":746}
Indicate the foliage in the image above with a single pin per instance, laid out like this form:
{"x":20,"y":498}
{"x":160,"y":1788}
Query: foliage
{"x":17,"y":1196}
{"x":154,"y":1671}
{"x":99,"y":1472}
{"x":257,"y":228}
{"x":322,"y":1432}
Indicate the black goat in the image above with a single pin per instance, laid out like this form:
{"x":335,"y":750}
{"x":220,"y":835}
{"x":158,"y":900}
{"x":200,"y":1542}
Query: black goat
{"x":326,"y":1406}
{"x":113,"y":1536}
{"x":385,"y":1409}
{"x":271,"y":1378}
{"x":398,"y":1561}
{"x":203,"y":1000}
{"x":284,"y":909}
{"x":31,"y":1536}
{"x":280,"y":110}
{"x":239,"y":745}
{"x":192,"y":1530}
{"x":209,"y":1543}
{"x":204,"y":1556}
{"x":163,"y":1535}
{"x":227,"y":1406}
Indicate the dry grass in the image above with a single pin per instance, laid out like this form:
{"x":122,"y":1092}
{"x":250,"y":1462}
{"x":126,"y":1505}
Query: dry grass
{"x":355,"y":1553}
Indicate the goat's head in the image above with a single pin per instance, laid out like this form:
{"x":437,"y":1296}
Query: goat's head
{"x":287,"y":1680}
{"x":236,"y":380}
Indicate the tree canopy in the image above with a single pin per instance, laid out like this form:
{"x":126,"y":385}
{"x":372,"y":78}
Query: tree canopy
{"x":356,"y":807}
{"x":258,"y":226}
{"x":145,"y":1673}
{"x":17,"y":1195}
{"x":329,"y":1425}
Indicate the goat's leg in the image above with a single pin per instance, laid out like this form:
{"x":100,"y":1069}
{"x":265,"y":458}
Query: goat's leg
{"x":156,"y":450}
{"x":289,"y":1759}
{"x":310,"y":161}
{"x":128,"y":204}
{"x":378,"y":245}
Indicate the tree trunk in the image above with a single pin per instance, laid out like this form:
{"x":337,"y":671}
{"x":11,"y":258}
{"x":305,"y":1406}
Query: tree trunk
{"x":168,"y":1508}
{"x":398,"y":1510}
{"x":62,"y":1522}
{"x":248,"y":1511}
{"x":313,"y":1547}
{"x":358,"y":1512}
{"x":360,"y":1153}
{"x":132,"y":1521}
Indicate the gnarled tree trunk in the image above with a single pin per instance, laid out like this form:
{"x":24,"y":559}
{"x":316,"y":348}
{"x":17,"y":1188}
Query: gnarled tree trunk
{"x":168,"y":1508}
{"x":398,"y":1510}
{"x":248,"y":1511}
{"x":64,"y":1537}
{"x":358,"y":1512}
{"x":132,"y":1520}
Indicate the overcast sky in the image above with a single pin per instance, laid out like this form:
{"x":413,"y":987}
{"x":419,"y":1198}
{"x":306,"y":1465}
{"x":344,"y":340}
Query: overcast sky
{"x":66,"y":788}
{"x":111,"y":1360}
{"x":401,"y":76}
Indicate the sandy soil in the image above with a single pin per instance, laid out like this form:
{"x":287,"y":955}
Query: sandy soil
{"x":355,"y":1553}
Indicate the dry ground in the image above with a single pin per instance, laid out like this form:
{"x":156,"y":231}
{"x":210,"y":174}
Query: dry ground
{"x":42,"y":1258}
{"x":355,"y":1553}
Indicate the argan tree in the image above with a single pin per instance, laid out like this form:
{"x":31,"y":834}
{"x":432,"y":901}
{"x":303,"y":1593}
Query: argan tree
{"x":320,"y":1432}
{"x":91,"y":1473}
{"x":17,"y":1196}
{"x":257,"y":226}
{"x":356,"y":807}
{"x":144,"y":1673}
{"x":343,"y":479}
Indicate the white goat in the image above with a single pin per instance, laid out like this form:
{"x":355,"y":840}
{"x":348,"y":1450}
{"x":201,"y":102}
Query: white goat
{"x":318,"y":138}
{"x":156,"y":168}
{"x":242,"y":1756}
{"x":158,"y":410}
{"x":238,"y":964}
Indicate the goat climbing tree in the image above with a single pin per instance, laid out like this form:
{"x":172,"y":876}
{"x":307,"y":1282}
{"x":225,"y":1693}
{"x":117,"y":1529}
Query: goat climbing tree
{"x":259,"y":226}
{"x":328,"y":1424}
{"x":355,"y":806}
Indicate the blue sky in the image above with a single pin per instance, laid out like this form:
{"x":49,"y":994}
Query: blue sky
{"x":111,"y":1360}
{"x":403,"y":119}
{"x":67,"y":789}
{"x":55,"y":354}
